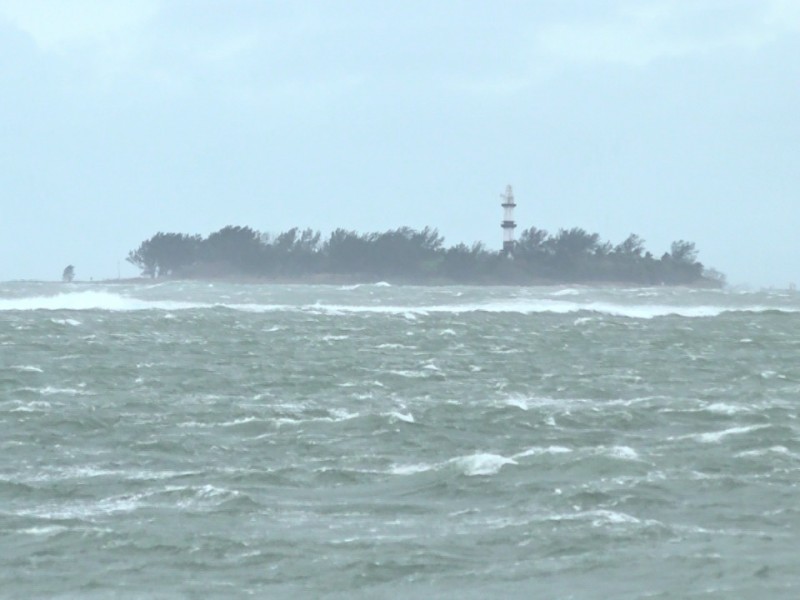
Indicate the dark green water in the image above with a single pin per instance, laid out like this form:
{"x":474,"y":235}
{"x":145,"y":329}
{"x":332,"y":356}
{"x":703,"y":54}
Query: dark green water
{"x":200,"y":441}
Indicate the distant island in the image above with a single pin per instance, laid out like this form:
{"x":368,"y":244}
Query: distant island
{"x":406,"y":255}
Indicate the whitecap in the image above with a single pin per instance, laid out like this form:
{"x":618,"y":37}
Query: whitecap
{"x":540,"y":450}
{"x":90,"y":300}
{"x":341,"y":414}
{"x":765,"y":451}
{"x":518,"y":306}
{"x":527,"y":403}
{"x":156,"y":475}
{"x":482,"y":463}
{"x":411,"y":469}
{"x":405,"y":417}
{"x":408,"y":374}
{"x":241,"y":421}
{"x":622,"y":453}
{"x":713,"y":437}
{"x":27,"y":368}
{"x":72,"y":322}
{"x":336,"y":415}
{"x":599,"y":518}
{"x":724,"y":408}
{"x":109,"y":301}
{"x":46,"y":530}
{"x":212,"y":491}
{"x":52,"y":391}
{"x":334,"y":338}
{"x":517,"y":402}
{"x":605,"y":517}
{"x":35,"y":406}
{"x":75,"y":472}
{"x":87,"y":510}
{"x":395,"y":347}
{"x":641,"y":311}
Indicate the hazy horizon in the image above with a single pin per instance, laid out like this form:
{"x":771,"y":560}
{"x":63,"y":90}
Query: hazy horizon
{"x":667,"y":119}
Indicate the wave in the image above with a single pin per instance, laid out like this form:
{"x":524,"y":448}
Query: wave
{"x":481,"y":463}
{"x":356,"y":286}
{"x":714,"y":437}
{"x":89,"y":300}
{"x":26,"y":368}
{"x":71,"y":322}
{"x":542,"y":450}
{"x":107,"y":301}
{"x":399,"y":416}
{"x":184,"y":497}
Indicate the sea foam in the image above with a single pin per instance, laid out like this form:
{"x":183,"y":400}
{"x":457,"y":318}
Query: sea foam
{"x":89,"y":300}
{"x":26,"y":368}
{"x":109,"y":301}
{"x":482,"y":464}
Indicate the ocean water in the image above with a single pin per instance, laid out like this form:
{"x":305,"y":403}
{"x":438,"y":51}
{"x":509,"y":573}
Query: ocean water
{"x":196,"y":440}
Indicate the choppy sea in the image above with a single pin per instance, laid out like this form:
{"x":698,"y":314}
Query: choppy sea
{"x":198,"y":440}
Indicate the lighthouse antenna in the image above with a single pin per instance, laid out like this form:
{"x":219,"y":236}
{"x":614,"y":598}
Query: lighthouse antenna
{"x":508,"y":223}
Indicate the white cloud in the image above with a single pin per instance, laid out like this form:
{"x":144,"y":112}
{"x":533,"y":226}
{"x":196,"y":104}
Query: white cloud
{"x":637,"y":33}
{"x":784,"y":14}
{"x":54,"y":24}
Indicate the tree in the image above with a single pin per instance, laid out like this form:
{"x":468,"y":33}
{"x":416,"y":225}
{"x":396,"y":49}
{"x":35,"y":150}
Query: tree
{"x":405,"y":251}
{"x":532,"y":243}
{"x":416,"y":255}
{"x":240,"y":248}
{"x":296,"y":251}
{"x":574,"y":242}
{"x":680,"y":265}
{"x":347,"y":251}
{"x":573,"y":255}
{"x":632,"y":247}
{"x":466,"y":263}
{"x":165,"y":254}
{"x":68,"y":275}
{"x":683,"y":252}
{"x":715,"y":276}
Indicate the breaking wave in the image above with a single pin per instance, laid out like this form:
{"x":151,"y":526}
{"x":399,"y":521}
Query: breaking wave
{"x":108,"y":301}
{"x":90,"y":300}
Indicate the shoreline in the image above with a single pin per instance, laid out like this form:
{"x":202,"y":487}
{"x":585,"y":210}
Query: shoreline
{"x":336,"y":280}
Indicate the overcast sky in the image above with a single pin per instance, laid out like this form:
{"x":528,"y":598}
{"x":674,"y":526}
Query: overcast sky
{"x":672,"y":119}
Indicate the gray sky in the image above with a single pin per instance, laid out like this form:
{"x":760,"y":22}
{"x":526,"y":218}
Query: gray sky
{"x":673,"y":119}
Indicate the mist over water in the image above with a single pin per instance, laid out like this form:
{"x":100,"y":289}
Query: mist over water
{"x":217,"y":440}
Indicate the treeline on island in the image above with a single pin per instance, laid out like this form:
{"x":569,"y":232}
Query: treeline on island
{"x":416,"y":256}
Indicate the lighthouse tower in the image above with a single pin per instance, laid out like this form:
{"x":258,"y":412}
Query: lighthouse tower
{"x":508,"y":224}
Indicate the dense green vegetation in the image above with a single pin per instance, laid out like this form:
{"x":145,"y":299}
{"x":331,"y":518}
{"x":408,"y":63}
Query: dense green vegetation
{"x":405,"y":254}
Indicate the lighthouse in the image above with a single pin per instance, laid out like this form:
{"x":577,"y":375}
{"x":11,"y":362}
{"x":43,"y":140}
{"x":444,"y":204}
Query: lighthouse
{"x":508,"y":223}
